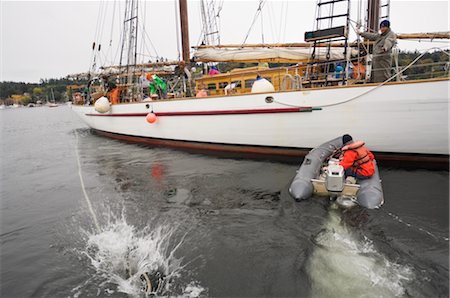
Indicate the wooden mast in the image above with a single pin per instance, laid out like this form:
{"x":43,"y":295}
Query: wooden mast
{"x":373,"y":15}
{"x":184,"y":30}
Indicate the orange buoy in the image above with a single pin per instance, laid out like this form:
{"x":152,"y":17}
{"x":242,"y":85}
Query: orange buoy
{"x":151,"y":118}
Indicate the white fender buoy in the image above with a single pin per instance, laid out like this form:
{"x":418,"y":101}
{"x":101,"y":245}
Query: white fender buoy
{"x":262,"y":85}
{"x":102,"y":105}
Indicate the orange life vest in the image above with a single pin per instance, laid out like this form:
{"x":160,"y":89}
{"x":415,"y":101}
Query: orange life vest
{"x":362,"y":156}
{"x":115,"y":96}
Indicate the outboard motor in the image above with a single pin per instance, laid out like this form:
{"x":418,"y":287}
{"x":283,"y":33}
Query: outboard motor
{"x":335,"y":178}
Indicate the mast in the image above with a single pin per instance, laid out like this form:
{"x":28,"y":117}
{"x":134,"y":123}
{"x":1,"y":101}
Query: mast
{"x":128,"y":54}
{"x":184,"y":30}
{"x":373,"y":15}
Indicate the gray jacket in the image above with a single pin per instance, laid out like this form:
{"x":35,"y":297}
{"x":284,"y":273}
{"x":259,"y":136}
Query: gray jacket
{"x":383,"y":42}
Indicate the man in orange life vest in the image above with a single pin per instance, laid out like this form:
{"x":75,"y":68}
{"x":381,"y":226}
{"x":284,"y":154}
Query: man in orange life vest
{"x":356,"y":159}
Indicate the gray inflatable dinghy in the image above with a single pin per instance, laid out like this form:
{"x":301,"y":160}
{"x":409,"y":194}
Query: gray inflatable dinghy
{"x":320,"y":174}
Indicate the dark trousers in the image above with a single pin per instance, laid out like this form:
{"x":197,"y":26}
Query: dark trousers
{"x":381,"y":68}
{"x":352,"y":172}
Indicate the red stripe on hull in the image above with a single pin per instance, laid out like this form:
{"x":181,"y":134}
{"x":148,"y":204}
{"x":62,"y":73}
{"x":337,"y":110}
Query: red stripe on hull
{"x":206,"y":113}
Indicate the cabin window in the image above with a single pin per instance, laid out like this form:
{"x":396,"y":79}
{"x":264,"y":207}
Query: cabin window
{"x":249,"y":83}
{"x":238,"y":84}
{"x":212,"y":86}
{"x":223,"y":85}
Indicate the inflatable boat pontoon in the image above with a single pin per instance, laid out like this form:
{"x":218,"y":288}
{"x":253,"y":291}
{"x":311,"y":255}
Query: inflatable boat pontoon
{"x":320,"y":174}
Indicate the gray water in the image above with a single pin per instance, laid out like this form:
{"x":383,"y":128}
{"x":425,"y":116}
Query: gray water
{"x":215,"y":226}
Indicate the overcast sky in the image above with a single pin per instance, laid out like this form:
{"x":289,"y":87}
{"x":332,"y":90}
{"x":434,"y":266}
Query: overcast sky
{"x":50,"y":39}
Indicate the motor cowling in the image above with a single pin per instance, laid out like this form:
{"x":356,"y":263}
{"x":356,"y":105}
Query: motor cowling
{"x":335,"y":178}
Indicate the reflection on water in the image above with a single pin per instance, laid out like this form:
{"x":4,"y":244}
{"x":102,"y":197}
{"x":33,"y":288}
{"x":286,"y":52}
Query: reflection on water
{"x":215,"y":226}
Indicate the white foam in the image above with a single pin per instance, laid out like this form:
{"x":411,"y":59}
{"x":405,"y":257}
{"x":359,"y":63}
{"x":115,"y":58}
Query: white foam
{"x":343,"y":266}
{"x":193,"y":290}
{"x":120,"y":254}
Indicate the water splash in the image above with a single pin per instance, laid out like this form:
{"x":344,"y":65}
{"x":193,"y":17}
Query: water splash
{"x":120,"y":254}
{"x":344,"y":266}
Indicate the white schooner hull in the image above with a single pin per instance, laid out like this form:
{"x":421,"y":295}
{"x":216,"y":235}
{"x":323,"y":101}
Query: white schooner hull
{"x":408,"y":117}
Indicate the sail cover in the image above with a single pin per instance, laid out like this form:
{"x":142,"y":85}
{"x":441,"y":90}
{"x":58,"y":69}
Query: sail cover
{"x":277,"y":54}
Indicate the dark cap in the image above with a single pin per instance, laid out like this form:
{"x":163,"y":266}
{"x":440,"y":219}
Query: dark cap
{"x":346,"y":138}
{"x":385,"y":23}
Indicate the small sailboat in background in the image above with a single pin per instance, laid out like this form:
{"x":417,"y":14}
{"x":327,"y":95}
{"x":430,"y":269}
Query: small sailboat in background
{"x":309,"y":100}
{"x":53,"y":103}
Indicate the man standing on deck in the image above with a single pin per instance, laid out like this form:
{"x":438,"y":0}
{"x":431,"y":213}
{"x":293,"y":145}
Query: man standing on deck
{"x":382,"y":50}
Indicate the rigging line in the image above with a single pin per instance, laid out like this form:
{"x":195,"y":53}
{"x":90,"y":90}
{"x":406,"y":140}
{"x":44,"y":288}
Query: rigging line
{"x":151,"y":43}
{"x":97,"y":26}
{"x":358,"y":40}
{"x":281,"y":22}
{"x":136,"y":34}
{"x":150,"y":53}
{"x":93,"y":53}
{"x":359,"y":22}
{"x":203,"y":18}
{"x":177,"y":28}
{"x":219,"y":21}
{"x":88,"y":201}
{"x":271,"y":21}
{"x":200,"y":39}
{"x":258,"y":11}
{"x":358,"y":44}
{"x":120,"y":39}
{"x":285,"y":21}
{"x":110,"y":51}
{"x":262,"y":28}
{"x":124,"y":28}
{"x":427,"y":40}
{"x":105,"y":11}
{"x":112,"y":23}
{"x":372,"y":89}
{"x":142,"y":23}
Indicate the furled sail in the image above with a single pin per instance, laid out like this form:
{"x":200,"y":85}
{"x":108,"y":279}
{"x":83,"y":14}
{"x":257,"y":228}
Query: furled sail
{"x":276,"y":54}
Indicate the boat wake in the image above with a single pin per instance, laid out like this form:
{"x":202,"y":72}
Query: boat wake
{"x":121,"y":254}
{"x":344,"y":266}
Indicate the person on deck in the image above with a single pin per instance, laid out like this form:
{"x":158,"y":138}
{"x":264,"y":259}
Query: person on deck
{"x":213,"y":71}
{"x":202,"y":91}
{"x":157,"y":86}
{"x":114,"y":93}
{"x":382,"y":50}
{"x":356,"y":159}
{"x":359,"y":70}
